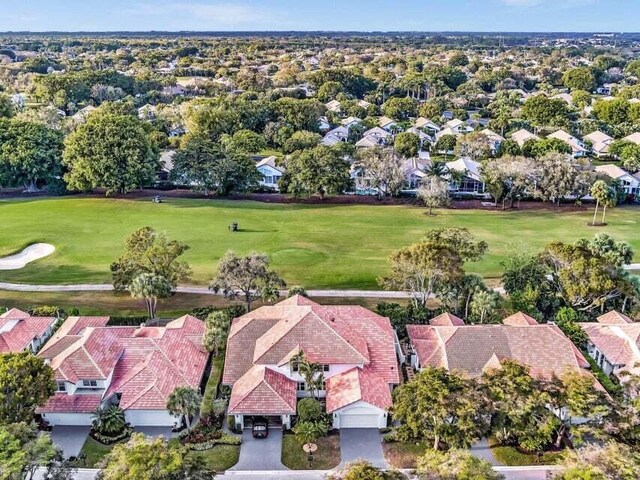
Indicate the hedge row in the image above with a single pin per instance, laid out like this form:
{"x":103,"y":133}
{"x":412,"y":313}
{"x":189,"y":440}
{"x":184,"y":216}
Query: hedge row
{"x":225,"y":439}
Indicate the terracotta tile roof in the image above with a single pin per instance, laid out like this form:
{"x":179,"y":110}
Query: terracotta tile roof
{"x":357,"y":384}
{"x":544,"y":348}
{"x":446,"y":320}
{"x":270,"y":336}
{"x":63,"y":403}
{"x":614,"y":318}
{"x":15,"y":313}
{"x":145,"y":364}
{"x":619,"y":343}
{"x":263,"y":391}
{"x":17,"y":331}
{"x":519,"y":319}
{"x":72,"y":327}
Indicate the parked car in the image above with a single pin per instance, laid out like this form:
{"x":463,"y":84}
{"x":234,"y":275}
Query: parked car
{"x":260,"y":428}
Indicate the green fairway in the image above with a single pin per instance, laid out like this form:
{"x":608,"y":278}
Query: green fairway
{"x":326,"y":246}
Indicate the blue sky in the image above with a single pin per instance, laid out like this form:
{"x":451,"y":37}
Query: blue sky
{"x":363,"y":15}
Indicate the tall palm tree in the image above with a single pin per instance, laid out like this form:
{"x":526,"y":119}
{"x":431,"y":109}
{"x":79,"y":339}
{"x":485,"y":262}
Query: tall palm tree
{"x":150,"y":287}
{"x":184,"y":401}
{"x":437,"y":169}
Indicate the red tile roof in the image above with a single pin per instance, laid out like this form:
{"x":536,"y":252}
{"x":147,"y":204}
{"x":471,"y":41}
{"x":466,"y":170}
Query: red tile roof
{"x":70,"y":330}
{"x":263,"y":391}
{"x":520,"y":319}
{"x":17,"y":331}
{"x":472,"y":348}
{"x":618,"y":339}
{"x":144,"y":364}
{"x":446,"y":320}
{"x":614,"y":318}
{"x":63,"y":403}
{"x":357,"y":384}
{"x":270,"y":336}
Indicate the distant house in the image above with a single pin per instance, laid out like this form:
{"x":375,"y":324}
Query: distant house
{"x":387,"y":123}
{"x":323,"y":124}
{"x":147,"y":112}
{"x":522,"y":136}
{"x":21,"y":332}
{"x":364,"y":104}
{"x":613,"y":343}
{"x":333,"y":106}
{"x":600,"y":143}
{"x":350,"y":121}
{"x":414,"y":170}
{"x":357,"y":350}
{"x":495,"y":140}
{"x":458,"y":127}
{"x":166,"y":164}
{"x":471,"y":182}
{"x":271,"y":173}
{"x":424,"y":137}
{"x":577,"y":147}
{"x":630,"y":184}
{"x":137,"y":368}
{"x":634,"y":138}
{"x":427,"y":125}
{"x":18,"y":100}
{"x":337,"y":135}
{"x":81,"y":115}
{"x":374,"y":137}
{"x":565,"y":97}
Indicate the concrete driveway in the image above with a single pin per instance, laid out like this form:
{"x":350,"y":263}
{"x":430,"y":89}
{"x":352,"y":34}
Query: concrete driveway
{"x":362,"y":443}
{"x":261,"y":453}
{"x":70,"y":439}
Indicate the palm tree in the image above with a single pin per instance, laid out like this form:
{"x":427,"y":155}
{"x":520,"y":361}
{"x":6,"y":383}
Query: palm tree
{"x":310,"y":371}
{"x":437,"y":169}
{"x":309,"y":432}
{"x":600,"y":191}
{"x":108,"y":421}
{"x":150,"y":287}
{"x":184,"y":401}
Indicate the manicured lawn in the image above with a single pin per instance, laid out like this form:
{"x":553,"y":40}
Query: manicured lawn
{"x":219,"y":458}
{"x":512,"y":457}
{"x":95,"y":452}
{"x":326,"y":457}
{"x":403,"y":454}
{"x":321,"y":246}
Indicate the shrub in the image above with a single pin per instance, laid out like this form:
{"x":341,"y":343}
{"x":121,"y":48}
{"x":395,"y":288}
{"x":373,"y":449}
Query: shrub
{"x":111,"y":439}
{"x":211,"y":389}
{"x":390,"y":438}
{"x":203,"y":432}
{"x":46,"y":311}
{"x":225,"y":439}
{"x":310,"y":410}
{"x":231,"y":423}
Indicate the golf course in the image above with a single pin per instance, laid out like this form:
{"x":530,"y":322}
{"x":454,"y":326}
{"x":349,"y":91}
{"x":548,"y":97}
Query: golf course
{"x":316,"y":246}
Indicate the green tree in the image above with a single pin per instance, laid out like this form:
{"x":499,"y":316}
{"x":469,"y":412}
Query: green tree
{"x":319,"y":170}
{"x":628,"y":153}
{"x":144,"y":458}
{"x":440,"y":406}
{"x":184,"y":401}
{"x":7,"y":109}
{"x":108,"y":420}
{"x":613,"y":112}
{"x":301,"y":140}
{"x":581,"y":78}
{"x":148,"y":251}
{"x":604,"y":195}
{"x":483,"y":305}
{"x":310,"y":371}
{"x":454,"y":465}
{"x":329,"y":91}
{"x":310,"y":410}
{"x":248,"y":277}
{"x":309,"y":432}
{"x":30,"y":154}
{"x":407,"y":144}
{"x":611,"y":461}
{"x":434,"y":193}
{"x":438,"y":258}
{"x":26,"y":382}
{"x":110,"y":151}
{"x":400,"y":108}
{"x":567,"y":320}
{"x":542,"y":111}
{"x":245,"y":141}
{"x":209,"y":167}
{"x":23,"y":450}
{"x":150,"y":287}
{"x":300,"y":114}
{"x":216,"y":330}
{"x":446,"y":144}
{"x":520,"y":407}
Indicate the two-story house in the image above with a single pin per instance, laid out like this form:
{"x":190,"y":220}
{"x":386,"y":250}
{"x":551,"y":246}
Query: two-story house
{"x":357,"y":349}
{"x":21,"y":332}
{"x":137,"y":368}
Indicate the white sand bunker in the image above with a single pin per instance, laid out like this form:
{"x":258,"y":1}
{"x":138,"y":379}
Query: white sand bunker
{"x":28,"y":255}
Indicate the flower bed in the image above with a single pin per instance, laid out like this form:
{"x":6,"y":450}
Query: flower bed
{"x":107,"y":440}
{"x":224,"y":439}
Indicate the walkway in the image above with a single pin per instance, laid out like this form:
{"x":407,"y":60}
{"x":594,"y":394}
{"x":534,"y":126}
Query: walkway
{"x":483,"y":450}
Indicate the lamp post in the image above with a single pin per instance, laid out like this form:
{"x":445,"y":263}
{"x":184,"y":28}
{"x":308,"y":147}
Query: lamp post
{"x":310,"y":448}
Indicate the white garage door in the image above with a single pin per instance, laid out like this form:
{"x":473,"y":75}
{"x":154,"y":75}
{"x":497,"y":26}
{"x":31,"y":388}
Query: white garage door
{"x":359,"y":421}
